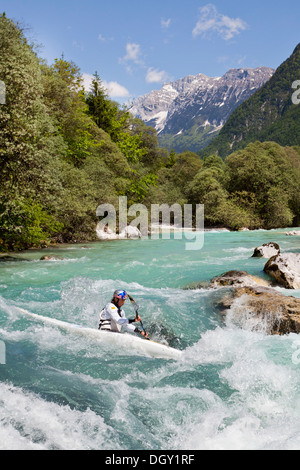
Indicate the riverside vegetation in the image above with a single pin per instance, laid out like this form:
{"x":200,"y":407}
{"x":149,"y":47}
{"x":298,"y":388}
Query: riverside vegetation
{"x":64,"y":150}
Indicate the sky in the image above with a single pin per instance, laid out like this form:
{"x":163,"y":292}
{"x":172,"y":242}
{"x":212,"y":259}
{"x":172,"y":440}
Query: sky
{"x":136,"y":46}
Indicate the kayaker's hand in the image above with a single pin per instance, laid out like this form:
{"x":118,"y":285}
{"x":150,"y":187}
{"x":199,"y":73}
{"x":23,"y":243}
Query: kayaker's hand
{"x":137,"y":318}
{"x":144,"y":333}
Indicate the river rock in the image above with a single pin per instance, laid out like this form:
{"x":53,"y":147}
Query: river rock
{"x":4,"y":258}
{"x":51,"y":258}
{"x":285,"y":268}
{"x":264,"y":308}
{"x":237,"y":278}
{"x":266,"y":251}
{"x":108,"y":234}
{"x":130,"y":232}
{"x":105,"y":233}
{"x":293,"y":233}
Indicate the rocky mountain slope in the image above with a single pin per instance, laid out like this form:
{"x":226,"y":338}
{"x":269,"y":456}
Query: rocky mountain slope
{"x":189,"y":112}
{"x":272,"y":113}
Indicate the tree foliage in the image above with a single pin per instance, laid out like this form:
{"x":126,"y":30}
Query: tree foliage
{"x":64,"y":150}
{"x":268,"y":115}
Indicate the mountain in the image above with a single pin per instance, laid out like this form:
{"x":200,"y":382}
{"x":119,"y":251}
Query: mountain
{"x":190,"y":112}
{"x":270,"y":114}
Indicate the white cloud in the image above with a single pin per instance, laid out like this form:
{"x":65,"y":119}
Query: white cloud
{"x":133,"y":52}
{"x":212,"y":21}
{"x":133,"y":55}
{"x":156,"y":76}
{"x":114,"y":89}
{"x":104,"y":39}
{"x":87,"y":81}
{"x":165,"y":24}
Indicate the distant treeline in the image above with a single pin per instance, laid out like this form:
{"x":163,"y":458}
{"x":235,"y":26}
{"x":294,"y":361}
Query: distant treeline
{"x":64,"y":150}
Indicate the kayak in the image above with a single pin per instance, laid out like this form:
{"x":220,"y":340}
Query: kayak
{"x":122,"y":340}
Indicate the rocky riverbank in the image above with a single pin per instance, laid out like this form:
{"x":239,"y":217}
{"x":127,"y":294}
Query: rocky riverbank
{"x":256,"y":300}
{"x":267,"y":309}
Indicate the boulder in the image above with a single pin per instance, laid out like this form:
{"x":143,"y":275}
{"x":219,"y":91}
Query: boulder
{"x":106,"y":233}
{"x":266,"y":251}
{"x":237,"y":278}
{"x":130,"y":232}
{"x":293,"y":232}
{"x":51,"y":258}
{"x":264,"y":309}
{"x":230,"y":279}
{"x":285,"y":269}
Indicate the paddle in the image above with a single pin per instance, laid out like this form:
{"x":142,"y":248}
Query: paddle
{"x":136,"y":309}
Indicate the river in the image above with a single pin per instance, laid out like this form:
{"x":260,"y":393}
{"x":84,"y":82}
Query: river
{"x":234,"y":388}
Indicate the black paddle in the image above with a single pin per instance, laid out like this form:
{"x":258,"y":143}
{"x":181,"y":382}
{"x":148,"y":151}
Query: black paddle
{"x":136,"y":309}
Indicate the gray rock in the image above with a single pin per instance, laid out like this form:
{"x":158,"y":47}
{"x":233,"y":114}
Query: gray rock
{"x":293,"y":233}
{"x":285,"y":269}
{"x":237,"y":279}
{"x":266,"y":251}
{"x":265,"y":308}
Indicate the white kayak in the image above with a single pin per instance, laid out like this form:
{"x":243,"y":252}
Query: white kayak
{"x":124,"y":340}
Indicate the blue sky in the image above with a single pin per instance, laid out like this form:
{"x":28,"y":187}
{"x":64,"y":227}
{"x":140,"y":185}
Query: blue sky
{"x":136,"y":46}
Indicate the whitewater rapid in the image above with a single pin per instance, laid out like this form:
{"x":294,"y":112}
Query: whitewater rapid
{"x":234,"y":388}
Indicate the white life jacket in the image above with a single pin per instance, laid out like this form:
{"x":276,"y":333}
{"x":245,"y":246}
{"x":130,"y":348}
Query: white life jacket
{"x":112,"y":318}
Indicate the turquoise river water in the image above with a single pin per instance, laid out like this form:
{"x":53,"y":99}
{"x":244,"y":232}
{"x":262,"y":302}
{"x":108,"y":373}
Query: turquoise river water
{"x":234,"y":388}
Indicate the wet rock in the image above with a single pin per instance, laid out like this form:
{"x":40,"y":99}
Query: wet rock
{"x":293,"y":233}
{"x":108,"y":234}
{"x":105,"y":233}
{"x":130,"y":232}
{"x":263,"y":308}
{"x":237,"y":278}
{"x":197,"y":285}
{"x":285,"y":269}
{"x":266,"y":251}
{"x":230,"y":279}
{"x":4,"y":258}
{"x":51,"y":258}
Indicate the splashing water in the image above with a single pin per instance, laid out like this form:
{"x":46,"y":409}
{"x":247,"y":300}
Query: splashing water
{"x":234,"y":388}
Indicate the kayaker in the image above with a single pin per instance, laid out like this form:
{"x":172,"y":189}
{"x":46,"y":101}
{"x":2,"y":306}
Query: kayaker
{"x":113,"y":318}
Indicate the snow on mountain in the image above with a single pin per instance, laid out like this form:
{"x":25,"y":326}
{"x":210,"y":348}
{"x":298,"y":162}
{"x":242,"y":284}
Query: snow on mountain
{"x":197,"y":101}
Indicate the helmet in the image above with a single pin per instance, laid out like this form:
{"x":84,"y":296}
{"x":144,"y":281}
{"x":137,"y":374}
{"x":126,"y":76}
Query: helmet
{"x":120,"y":294}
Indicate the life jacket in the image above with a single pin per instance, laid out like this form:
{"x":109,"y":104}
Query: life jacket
{"x":113,"y":318}
{"x":106,"y":322}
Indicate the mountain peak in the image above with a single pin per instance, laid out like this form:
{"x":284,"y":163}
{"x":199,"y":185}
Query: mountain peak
{"x":197,"y":105}
{"x":269,"y":114}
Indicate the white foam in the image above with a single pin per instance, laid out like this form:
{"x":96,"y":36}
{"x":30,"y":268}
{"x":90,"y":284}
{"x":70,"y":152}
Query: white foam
{"x":29,"y":422}
{"x":262,"y":410}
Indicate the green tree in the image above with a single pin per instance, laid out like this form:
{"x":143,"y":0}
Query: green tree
{"x":186,"y":167}
{"x":101,"y":108}
{"x":270,"y":174}
{"x":26,"y":139}
{"x":65,"y":97}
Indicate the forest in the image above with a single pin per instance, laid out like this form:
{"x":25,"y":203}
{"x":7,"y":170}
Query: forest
{"x":272,"y":113}
{"x":65,"y":150}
